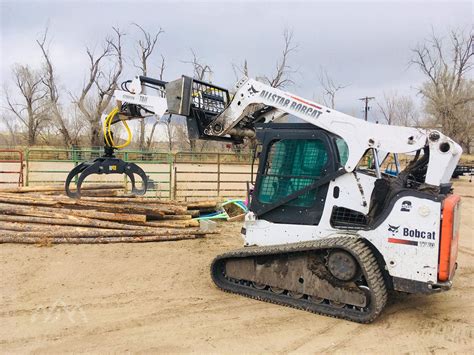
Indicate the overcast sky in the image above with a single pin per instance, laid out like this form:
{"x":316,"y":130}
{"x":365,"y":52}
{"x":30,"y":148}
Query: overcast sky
{"x":364,"y":44}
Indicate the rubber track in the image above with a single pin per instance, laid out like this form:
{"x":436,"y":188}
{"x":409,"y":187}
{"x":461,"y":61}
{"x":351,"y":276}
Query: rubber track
{"x":353,"y":245}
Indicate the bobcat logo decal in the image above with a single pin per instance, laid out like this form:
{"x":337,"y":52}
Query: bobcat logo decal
{"x":393,"y":229}
{"x":252,"y":90}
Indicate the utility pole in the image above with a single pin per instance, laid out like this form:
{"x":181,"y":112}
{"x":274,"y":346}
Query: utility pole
{"x":367,"y":107}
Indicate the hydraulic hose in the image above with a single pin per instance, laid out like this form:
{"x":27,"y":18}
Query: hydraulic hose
{"x":107,"y":128}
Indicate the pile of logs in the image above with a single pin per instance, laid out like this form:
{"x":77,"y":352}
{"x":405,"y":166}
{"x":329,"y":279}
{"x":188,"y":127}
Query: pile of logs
{"x":44,"y":215}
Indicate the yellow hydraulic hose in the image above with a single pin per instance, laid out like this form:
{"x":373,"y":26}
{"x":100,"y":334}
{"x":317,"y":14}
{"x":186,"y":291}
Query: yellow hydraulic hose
{"x":108,"y":132}
{"x":105,"y":125}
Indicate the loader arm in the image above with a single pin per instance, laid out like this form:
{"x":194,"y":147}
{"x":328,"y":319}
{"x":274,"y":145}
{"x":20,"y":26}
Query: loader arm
{"x":253,"y":96}
{"x":212,"y":113}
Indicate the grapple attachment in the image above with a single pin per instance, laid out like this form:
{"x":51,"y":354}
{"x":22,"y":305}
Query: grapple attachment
{"x":106,"y":165}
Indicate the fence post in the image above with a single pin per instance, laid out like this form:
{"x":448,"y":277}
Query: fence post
{"x":171,"y":165}
{"x":218,"y":174}
{"x":22,"y":165}
{"x":10,"y":158}
{"x":175,"y":188}
{"x":125,"y":181}
{"x":27,"y":160}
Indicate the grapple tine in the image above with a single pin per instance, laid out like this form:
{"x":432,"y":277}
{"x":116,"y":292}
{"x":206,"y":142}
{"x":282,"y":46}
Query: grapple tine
{"x":90,"y":170}
{"x":131,"y":169}
{"x":72,"y":174}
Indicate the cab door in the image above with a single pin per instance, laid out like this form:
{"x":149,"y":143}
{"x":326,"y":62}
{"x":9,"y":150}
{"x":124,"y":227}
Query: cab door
{"x":292,"y":160}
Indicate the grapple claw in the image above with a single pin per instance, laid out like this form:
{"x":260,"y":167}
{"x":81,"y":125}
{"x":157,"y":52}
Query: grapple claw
{"x":72,"y":174}
{"x":106,"y":165}
{"x":130,"y":170}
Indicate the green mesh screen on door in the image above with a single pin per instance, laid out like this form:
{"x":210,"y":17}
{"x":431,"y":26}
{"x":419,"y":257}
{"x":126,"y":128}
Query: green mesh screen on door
{"x":292,"y":164}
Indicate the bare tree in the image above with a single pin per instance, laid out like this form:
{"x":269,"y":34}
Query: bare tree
{"x":200,"y":69}
{"x":149,"y":139}
{"x":388,"y":107}
{"x":75,"y":124}
{"x":30,"y":108}
{"x":170,"y":135}
{"x":98,"y":88}
{"x":448,"y":90}
{"x":466,"y":122}
{"x":11,"y":123}
{"x":408,"y":113}
{"x":145,"y":47}
{"x":49,"y":81}
{"x":282,"y":77}
{"x":330,"y":88}
{"x":241,"y":70}
{"x":182,"y":138}
{"x":283,"y":70}
{"x":399,"y":110}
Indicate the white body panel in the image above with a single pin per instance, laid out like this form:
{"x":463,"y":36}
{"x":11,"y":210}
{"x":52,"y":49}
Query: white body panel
{"x":350,"y":195}
{"x":415,"y":260}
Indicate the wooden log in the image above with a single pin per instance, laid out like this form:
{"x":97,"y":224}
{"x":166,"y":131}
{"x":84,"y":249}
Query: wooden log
{"x":36,"y":227}
{"x":80,"y":233}
{"x":192,"y":205}
{"x":69,"y":221}
{"x":194,"y":213}
{"x":136,"y":199}
{"x":25,"y":200}
{"x":57,"y":201}
{"x":87,"y":193}
{"x":21,"y":211}
{"x":100,"y":193}
{"x":99,"y":240}
{"x":177,"y":217}
{"x":25,"y":224}
{"x":60,"y":188}
{"x":239,"y":217}
{"x":166,"y":225}
{"x":203,"y":211}
{"x":19,"y":227}
{"x":40,"y":211}
{"x":151,"y":210}
{"x":90,"y":193}
{"x":114,"y":208}
{"x":173,"y":224}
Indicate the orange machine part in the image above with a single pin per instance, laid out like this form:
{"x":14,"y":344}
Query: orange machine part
{"x":448,"y":251}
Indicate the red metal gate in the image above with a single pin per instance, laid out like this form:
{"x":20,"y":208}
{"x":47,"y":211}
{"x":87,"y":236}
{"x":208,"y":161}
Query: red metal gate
{"x":14,"y":157}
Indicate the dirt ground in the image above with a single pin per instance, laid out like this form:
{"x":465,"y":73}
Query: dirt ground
{"x":159,"y":297}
